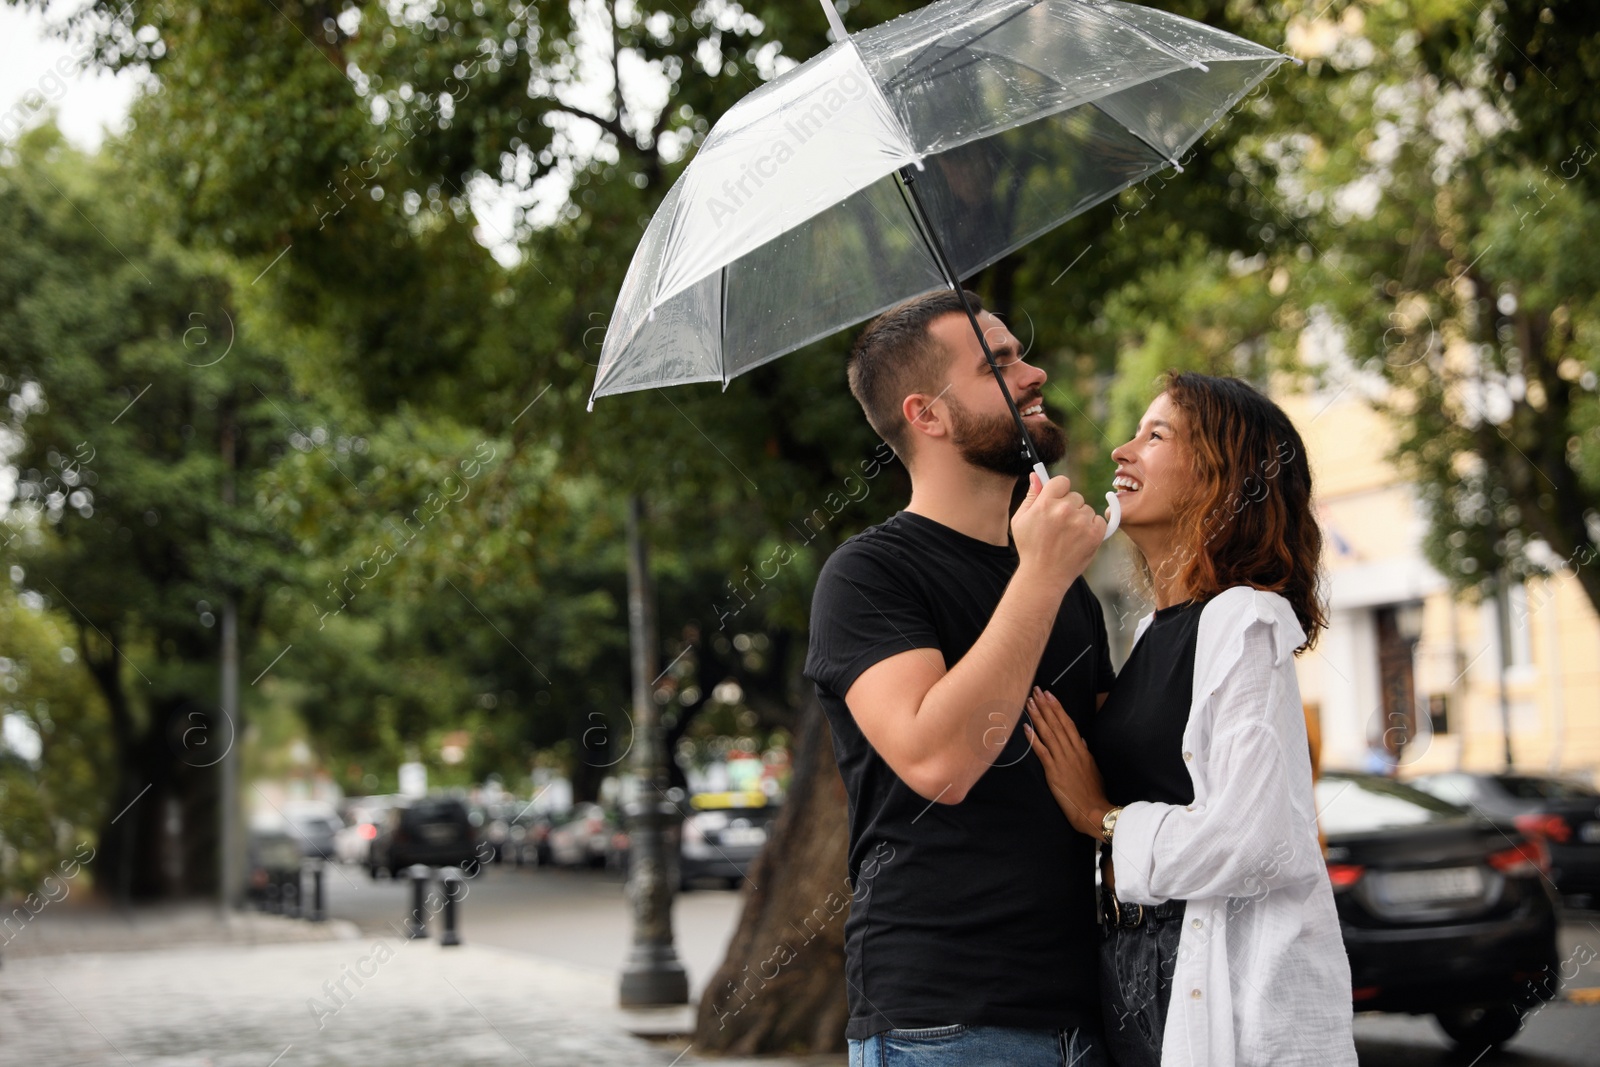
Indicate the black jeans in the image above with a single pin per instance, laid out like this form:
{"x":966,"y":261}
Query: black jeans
{"x":1136,"y":967}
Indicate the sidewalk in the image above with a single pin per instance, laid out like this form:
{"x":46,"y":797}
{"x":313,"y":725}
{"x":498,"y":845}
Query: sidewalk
{"x":340,"y":1000}
{"x":74,"y":926}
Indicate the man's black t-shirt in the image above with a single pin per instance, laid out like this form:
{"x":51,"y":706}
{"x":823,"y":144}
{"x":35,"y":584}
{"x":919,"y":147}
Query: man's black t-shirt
{"x":980,"y":912}
{"x":1137,"y":739}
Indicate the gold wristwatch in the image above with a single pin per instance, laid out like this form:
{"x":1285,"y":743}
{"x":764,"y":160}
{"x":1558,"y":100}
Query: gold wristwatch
{"x":1108,"y":823}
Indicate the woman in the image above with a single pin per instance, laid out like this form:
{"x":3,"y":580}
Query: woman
{"x":1220,"y":943}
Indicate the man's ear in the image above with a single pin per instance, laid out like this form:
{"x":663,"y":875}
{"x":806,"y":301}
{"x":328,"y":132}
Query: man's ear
{"x":923,"y":416}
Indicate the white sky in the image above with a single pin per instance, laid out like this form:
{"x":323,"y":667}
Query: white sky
{"x":85,"y":103}
{"x":89,"y":102}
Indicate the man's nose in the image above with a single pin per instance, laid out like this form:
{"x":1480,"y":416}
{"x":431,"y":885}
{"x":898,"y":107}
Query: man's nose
{"x":1030,"y":378}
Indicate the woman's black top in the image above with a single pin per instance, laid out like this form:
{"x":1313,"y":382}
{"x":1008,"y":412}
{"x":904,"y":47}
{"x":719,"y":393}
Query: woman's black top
{"x":1137,"y":736}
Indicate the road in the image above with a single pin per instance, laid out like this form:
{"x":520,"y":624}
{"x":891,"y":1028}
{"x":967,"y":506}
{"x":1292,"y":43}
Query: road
{"x":576,"y":917}
{"x":581,"y":918}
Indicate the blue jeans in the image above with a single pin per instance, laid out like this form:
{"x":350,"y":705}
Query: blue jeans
{"x":980,"y":1046}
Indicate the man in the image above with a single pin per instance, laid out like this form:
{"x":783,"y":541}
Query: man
{"x":971,"y":936}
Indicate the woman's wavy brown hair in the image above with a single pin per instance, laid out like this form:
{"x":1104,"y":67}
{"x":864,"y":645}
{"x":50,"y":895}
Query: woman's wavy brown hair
{"x":1248,"y":518}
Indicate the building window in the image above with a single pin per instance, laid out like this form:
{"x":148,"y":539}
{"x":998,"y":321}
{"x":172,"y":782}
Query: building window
{"x":1439,"y":713}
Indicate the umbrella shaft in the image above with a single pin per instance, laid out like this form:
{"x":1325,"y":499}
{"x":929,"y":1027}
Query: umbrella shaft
{"x":925,"y":227}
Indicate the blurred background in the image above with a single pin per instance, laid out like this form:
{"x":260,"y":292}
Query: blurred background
{"x":313,"y":566}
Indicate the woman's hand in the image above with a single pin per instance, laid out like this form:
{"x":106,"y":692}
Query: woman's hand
{"x":1068,"y":767}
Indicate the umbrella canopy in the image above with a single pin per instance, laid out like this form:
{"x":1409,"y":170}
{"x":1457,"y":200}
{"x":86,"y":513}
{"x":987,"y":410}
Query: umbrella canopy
{"x":793,"y":220}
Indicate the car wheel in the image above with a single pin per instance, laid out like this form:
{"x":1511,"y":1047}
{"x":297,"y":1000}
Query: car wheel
{"x":735,"y":881}
{"x":372,"y":872}
{"x":1481,"y":1024}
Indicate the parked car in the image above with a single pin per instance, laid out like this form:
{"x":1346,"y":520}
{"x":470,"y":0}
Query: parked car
{"x":1443,"y":912}
{"x":504,"y":827}
{"x":527,"y":841}
{"x":353,"y":843}
{"x":493,"y":822}
{"x":581,"y":836}
{"x":1565,"y":814}
{"x":434,"y":831}
{"x":273,"y":856}
{"x":722,"y":835}
{"x":313,"y":825}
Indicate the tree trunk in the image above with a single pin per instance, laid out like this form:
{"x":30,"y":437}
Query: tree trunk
{"x":781,"y":987}
{"x":158,"y":837}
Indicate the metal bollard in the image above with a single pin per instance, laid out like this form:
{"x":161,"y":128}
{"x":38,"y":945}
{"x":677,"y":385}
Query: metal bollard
{"x":291,"y":893}
{"x":316,"y":913}
{"x":455,"y":887}
{"x":417,"y":921}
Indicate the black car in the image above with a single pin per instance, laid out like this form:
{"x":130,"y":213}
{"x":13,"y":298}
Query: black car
{"x":435,"y":831}
{"x":722,"y":835}
{"x":1443,"y":912}
{"x":1565,"y":814}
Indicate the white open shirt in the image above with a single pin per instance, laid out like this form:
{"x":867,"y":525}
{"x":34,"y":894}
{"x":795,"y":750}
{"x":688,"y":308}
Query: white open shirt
{"x":1262,"y":976}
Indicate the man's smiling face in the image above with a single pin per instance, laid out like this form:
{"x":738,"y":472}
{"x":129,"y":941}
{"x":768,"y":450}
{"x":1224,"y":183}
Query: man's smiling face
{"x":982,"y":429}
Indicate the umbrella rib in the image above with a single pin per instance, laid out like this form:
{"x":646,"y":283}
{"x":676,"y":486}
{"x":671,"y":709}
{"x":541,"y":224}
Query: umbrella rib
{"x":980,"y":56}
{"x":1169,"y":49}
{"x":722,"y":328}
{"x":912,"y":67}
{"x":911,"y":63}
{"x":1137,"y":136}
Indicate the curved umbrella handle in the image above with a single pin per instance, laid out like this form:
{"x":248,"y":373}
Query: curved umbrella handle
{"x":1113,"y":505}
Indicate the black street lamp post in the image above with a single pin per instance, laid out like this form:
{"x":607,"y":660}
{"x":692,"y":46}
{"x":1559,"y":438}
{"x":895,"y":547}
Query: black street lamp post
{"x":653,"y":975}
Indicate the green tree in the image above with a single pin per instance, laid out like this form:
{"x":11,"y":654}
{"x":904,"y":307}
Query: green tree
{"x":50,"y":801}
{"x":1446,"y":170}
{"x":137,"y":399}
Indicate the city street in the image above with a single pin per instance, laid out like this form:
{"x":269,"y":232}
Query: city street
{"x":581,"y":918}
{"x":534,"y":984}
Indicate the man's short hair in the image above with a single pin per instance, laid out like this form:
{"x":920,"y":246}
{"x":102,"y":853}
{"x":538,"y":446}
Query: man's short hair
{"x":895,"y":357}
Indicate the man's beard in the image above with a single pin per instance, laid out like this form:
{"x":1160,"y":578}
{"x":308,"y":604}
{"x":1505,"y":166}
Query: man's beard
{"x":991,"y":442}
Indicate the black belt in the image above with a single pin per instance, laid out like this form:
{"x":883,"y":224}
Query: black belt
{"x":1127,"y":916}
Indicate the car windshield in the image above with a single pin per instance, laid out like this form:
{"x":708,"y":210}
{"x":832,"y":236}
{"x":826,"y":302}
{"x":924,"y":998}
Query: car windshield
{"x":437,"y":813}
{"x":1354,"y":805}
{"x":1544,"y":788}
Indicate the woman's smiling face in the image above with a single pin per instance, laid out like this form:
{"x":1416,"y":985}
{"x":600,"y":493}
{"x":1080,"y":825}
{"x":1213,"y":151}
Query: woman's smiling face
{"x":1155,"y":470}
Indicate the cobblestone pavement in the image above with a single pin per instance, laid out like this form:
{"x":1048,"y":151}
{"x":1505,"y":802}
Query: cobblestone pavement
{"x":379,"y":1001}
{"x":185,"y":987}
{"x":77,"y":927}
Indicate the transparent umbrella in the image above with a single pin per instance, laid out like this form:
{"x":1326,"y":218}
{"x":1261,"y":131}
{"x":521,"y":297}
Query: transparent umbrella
{"x":901,"y":160}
